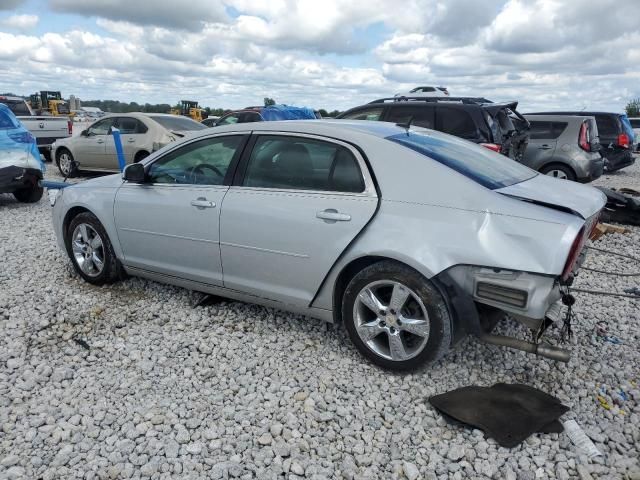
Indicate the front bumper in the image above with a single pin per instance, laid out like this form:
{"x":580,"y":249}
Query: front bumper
{"x":14,"y":178}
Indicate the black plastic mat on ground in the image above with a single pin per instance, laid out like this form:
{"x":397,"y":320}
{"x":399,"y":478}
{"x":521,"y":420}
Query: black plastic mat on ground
{"x":509,"y":413}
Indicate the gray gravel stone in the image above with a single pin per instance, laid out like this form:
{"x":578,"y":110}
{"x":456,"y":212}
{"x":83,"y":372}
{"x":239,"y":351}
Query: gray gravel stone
{"x":233,"y":390}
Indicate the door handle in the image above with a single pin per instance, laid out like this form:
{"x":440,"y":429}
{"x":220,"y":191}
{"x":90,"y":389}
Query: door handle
{"x":202,"y":203}
{"x":131,"y":140}
{"x":99,"y":141}
{"x":331,"y":215}
{"x":545,"y":147}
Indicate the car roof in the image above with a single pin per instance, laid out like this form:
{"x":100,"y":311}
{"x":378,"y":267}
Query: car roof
{"x":574,"y":113}
{"x":322,"y":127}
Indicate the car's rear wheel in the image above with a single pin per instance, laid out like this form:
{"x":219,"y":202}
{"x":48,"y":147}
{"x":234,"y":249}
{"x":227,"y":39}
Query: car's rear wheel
{"x":30,"y":194}
{"x":90,"y":250}
{"x":559,"y":171}
{"x":395,"y":317}
{"x":66,"y":163}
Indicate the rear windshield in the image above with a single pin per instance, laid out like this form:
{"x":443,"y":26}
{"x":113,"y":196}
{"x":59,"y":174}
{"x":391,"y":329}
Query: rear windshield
{"x":635,"y":122}
{"x":178,"y":123}
{"x":18,"y":107}
{"x":481,"y":165}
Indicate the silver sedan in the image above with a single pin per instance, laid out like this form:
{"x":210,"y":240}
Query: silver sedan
{"x":409,"y":237}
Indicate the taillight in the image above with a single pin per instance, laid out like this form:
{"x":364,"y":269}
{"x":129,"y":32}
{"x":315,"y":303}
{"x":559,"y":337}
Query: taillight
{"x":583,"y":138}
{"x":492,"y":146}
{"x":70,"y":127}
{"x":574,"y":253}
{"x":623,"y":140}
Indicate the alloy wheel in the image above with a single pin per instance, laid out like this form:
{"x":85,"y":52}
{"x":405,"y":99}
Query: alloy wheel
{"x":391,"y":320}
{"x":88,"y":249}
{"x":557,"y":174}
{"x":66,"y":164}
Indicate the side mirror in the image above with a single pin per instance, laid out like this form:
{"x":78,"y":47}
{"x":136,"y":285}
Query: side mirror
{"x":84,"y":133}
{"x":134,"y":173}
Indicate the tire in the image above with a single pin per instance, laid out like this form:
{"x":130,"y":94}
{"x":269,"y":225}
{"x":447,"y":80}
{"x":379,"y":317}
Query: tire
{"x":83,"y":246}
{"x":140,"y":156}
{"x":557,"y":170}
{"x":424,"y":306}
{"x":64,"y":161}
{"x":31,"y":194}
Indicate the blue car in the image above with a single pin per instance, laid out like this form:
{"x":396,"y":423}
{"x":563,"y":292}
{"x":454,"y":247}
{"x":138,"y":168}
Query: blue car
{"x":21,"y":168}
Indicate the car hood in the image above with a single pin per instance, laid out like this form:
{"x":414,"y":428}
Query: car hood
{"x":559,"y":194}
{"x":114,"y":181}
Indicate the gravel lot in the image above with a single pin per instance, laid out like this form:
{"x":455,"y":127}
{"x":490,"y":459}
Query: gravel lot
{"x":132,"y":380}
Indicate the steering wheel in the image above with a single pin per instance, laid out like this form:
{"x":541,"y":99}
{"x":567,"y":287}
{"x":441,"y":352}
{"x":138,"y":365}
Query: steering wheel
{"x":199,"y":170}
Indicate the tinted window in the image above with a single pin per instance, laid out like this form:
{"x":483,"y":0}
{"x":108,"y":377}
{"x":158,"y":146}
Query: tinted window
{"x":302,"y":164}
{"x":456,"y":121}
{"x":204,"y":162}
{"x":129,"y":126}
{"x":367,"y":114}
{"x":543,"y":130}
{"x":102,"y":127}
{"x":18,"y":107}
{"x":248,"y":117}
{"x":178,"y":123}
{"x":635,"y":122}
{"x":487,"y":168}
{"x":607,"y":126}
{"x":422,"y":116}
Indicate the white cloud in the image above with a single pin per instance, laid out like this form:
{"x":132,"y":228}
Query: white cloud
{"x":20,"y":22}
{"x":232,"y":53}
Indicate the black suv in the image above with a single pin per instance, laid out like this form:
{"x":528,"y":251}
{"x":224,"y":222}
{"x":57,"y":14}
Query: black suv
{"x":497,"y":126}
{"x":616,"y":137}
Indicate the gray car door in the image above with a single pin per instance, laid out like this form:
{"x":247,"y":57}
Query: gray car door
{"x":300,"y":202}
{"x":170,"y":223}
{"x":542,"y":144}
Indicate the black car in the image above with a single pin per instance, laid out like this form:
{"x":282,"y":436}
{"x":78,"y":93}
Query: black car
{"x":616,"y":137}
{"x":497,"y":126}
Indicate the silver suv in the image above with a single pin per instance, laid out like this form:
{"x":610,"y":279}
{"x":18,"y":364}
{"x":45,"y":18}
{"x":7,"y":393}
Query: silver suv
{"x":565,"y":147}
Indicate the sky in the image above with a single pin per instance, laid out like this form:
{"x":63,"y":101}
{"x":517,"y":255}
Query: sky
{"x":332,"y":54}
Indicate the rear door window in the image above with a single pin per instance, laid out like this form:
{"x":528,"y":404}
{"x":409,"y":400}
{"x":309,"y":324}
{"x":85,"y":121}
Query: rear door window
{"x":299,"y":163}
{"x":545,"y":130}
{"x":421,"y":116}
{"x":455,"y":121}
{"x":129,"y":125}
{"x":635,"y":122}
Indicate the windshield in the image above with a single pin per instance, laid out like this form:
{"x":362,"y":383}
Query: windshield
{"x":481,"y":165}
{"x":178,"y":123}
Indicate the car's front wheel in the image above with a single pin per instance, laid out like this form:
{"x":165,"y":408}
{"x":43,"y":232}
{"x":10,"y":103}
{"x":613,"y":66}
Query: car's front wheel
{"x":395,"y":317}
{"x":90,"y":250}
{"x":66,"y":163}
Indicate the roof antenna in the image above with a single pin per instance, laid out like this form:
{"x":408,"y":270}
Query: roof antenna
{"x":406,"y":125}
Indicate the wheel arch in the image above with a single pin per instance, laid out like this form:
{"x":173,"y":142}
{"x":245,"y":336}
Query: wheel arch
{"x":554,"y":163}
{"x":140,"y":155}
{"x":70,"y":215}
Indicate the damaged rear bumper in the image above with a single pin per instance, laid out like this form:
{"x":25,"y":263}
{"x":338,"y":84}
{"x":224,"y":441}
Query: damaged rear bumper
{"x":480,"y":296}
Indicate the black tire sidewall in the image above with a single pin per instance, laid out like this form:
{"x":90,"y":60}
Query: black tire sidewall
{"x":31,"y":194}
{"x":110,"y":272}
{"x":439,"y":317}
{"x":58,"y":154}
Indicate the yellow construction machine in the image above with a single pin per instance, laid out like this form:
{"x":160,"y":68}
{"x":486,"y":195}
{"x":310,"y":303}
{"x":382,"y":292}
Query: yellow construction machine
{"x":188,"y":108}
{"x":49,"y":102}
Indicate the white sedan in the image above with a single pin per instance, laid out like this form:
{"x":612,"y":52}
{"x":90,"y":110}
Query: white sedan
{"x":141,"y":134}
{"x":425,"y":92}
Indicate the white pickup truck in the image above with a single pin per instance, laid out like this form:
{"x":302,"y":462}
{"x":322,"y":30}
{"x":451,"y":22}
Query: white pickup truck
{"x":46,"y":129}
